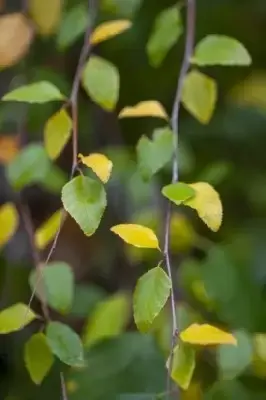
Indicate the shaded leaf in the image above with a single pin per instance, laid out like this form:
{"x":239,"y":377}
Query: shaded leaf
{"x":184,"y":363}
{"x":9,"y":148}
{"x":137,"y":235}
{"x":220,"y":50}
{"x":205,"y":334}
{"x":100,"y":164}
{"x":149,"y":108}
{"x":166,"y":31}
{"x":109,"y":29}
{"x":47,"y":231}
{"x":46,"y":15}
{"x":199,"y":95}
{"x":150,"y":295}
{"x":15,"y":318}
{"x":100,"y":79}
{"x":57,"y":132}
{"x":38,"y":357}
{"x":9,"y":220}
{"x":72,"y":26}
{"x":178,"y":193}
{"x":125,"y":8}
{"x":38,"y":92}
{"x":85,"y":200}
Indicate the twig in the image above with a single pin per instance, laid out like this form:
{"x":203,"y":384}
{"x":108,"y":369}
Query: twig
{"x":189,"y":44}
{"x":63,"y":387}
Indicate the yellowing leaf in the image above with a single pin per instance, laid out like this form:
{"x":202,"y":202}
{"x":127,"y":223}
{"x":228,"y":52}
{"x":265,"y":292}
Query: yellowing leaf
{"x":8,"y":222}
{"x":149,"y":108}
{"x":100,"y":164}
{"x":9,"y":148}
{"x":15,"y":318}
{"x":206,"y":334}
{"x":137,"y":235}
{"x":57,"y":132}
{"x":208,"y":205}
{"x":109,"y":29}
{"x":47,"y":231}
{"x":46,"y":14}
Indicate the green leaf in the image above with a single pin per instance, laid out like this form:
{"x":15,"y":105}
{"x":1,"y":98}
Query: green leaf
{"x":56,"y":286}
{"x":108,"y":320}
{"x":233,"y":360}
{"x":123,"y":8}
{"x":15,"y":318}
{"x":57,"y":132}
{"x":150,"y":295}
{"x":183,"y":365}
{"x":178,"y":193}
{"x":73,"y":24}
{"x":30,"y":166}
{"x":101,"y":79}
{"x":85,"y":200}
{"x":39,"y":92}
{"x":154,"y":154}
{"x":65,"y":344}
{"x":166,"y":31}
{"x":220,"y":50}
{"x":199,"y":95}
{"x":38,"y":357}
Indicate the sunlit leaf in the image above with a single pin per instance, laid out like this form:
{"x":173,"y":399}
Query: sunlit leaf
{"x":100,"y":164}
{"x":183,"y":365}
{"x":9,"y":220}
{"x":101,"y":81}
{"x":109,"y":29}
{"x":166,"y":31}
{"x":39,"y":92}
{"x":65,"y":344}
{"x":178,"y":193}
{"x":150,"y":295}
{"x":85,"y":200}
{"x":206,"y":335}
{"x":199,"y":95}
{"x":109,"y":319}
{"x":47,"y":231}
{"x":38,"y":357}
{"x":207,"y":203}
{"x":15,"y":318}
{"x":57,"y":132}
{"x":149,"y":108}
{"x":56,"y":287}
{"x":9,"y":148}
{"x":220,"y":50}
{"x":16,"y":35}
{"x":73,"y":24}
{"x":137,"y":235}
{"x":46,"y":15}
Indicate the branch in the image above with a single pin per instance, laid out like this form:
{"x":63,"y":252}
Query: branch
{"x":189,"y":45}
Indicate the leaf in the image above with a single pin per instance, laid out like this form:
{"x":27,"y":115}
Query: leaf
{"x":46,"y":15}
{"x":30,"y":166}
{"x":57,"y":132}
{"x":100,"y":164}
{"x":38,"y":357}
{"x":9,"y":148}
{"x":9,"y":220}
{"x":183,"y":366}
{"x":206,"y":334}
{"x":178,"y":193}
{"x":65,"y":344}
{"x":38,"y":92}
{"x":137,"y":235}
{"x":208,"y":205}
{"x":166,"y":31}
{"x":108,"y":319}
{"x":109,"y":29}
{"x":149,"y":108}
{"x":154,"y":154}
{"x":125,"y":8}
{"x":47,"y":231}
{"x":150,"y":295}
{"x":16,"y":35}
{"x":73,"y":24}
{"x":15,"y":318}
{"x":56,"y":286}
{"x":85,"y":200}
{"x":220,"y":50}
{"x":101,"y":81}
{"x":199,"y":95}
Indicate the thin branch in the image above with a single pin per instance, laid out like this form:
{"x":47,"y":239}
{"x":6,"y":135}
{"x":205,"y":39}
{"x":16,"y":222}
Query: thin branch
{"x":63,"y":387}
{"x":189,"y":45}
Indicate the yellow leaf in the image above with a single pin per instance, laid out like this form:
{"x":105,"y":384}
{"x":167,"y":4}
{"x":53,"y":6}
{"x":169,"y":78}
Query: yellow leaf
{"x":206,"y":334}
{"x":150,"y":108}
{"x":46,"y":14}
{"x":47,"y":231}
{"x":109,"y":29}
{"x":57,"y":132}
{"x":16,"y":35}
{"x":208,"y":205}
{"x":9,"y":148}
{"x":100,"y":164}
{"x":137,"y":235}
{"x":9,"y":220}
{"x":15,"y":318}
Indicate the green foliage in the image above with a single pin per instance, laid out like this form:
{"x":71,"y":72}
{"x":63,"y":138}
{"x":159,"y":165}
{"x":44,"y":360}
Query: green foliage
{"x":72,"y":26}
{"x":178,"y":193}
{"x":15,"y":318}
{"x":39,"y":92}
{"x":57,"y":133}
{"x":183,"y":365}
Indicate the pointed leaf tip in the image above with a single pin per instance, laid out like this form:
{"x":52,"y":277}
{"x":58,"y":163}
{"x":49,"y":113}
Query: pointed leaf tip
{"x":206,"y":334}
{"x":137,"y":235}
{"x":100,"y":164}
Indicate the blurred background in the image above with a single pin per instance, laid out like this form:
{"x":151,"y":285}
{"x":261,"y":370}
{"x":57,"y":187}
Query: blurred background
{"x":219,"y":278}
